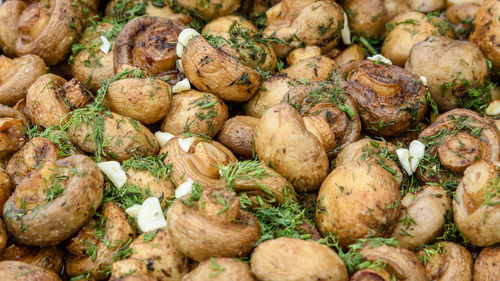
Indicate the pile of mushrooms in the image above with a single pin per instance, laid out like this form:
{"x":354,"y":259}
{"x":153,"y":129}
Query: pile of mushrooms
{"x":254,"y":140}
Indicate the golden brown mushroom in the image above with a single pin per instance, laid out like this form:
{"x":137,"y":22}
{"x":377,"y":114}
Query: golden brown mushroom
{"x":212,"y":8}
{"x":311,"y":69}
{"x":447,"y":261}
{"x":350,"y":54}
{"x":17,"y":75}
{"x":16,"y":270}
{"x":358,"y":200}
{"x":272,"y":92}
{"x":211,"y":224}
{"x":6,"y":187}
{"x":12,"y":124}
{"x":486,"y":31}
{"x":366,"y":17}
{"x":48,"y":207}
{"x":486,"y":265}
{"x":221,"y":269}
{"x":289,"y":259}
{"x":50,"y":258}
{"x":3,"y":236}
{"x":237,"y":134}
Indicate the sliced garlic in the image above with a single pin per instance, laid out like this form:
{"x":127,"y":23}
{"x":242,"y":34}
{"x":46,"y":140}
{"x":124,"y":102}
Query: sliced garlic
{"x":150,"y":215}
{"x":178,"y":63}
{"x":105,"y":46}
{"x":346,"y":32}
{"x":493,"y":108}
{"x":163,"y":137}
{"x":424,"y":80}
{"x":185,"y":144}
{"x":417,"y":151}
{"x":114,"y":172}
{"x":184,"y":188}
{"x":380,"y":58}
{"x":133,"y":211}
{"x":181,"y":86}
{"x":183,"y":39}
{"x":404,"y":159}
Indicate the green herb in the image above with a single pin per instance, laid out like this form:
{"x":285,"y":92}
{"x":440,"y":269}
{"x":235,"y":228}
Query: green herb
{"x":216,"y":267}
{"x":243,"y":170}
{"x":155,"y":165}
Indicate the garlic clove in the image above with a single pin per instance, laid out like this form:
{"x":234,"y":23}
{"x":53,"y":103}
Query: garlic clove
{"x":163,"y":137}
{"x":150,"y":215}
{"x":381,"y":59}
{"x":183,"y":39}
{"x":346,"y":32}
{"x":424,"y":80}
{"x":404,"y":159}
{"x":105,"y":46}
{"x":133,"y":211}
{"x":185,"y":144}
{"x":114,"y":172}
{"x":493,"y":108}
{"x":181,"y":86}
{"x":184,"y":188}
{"x":417,"y":151}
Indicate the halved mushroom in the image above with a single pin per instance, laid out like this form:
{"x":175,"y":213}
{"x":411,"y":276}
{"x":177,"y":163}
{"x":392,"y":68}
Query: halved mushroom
{"x":486,"y":264}
{"x":237,"y":134}
{"x":221,"y":269}
{"x":447,"y":261}
{"x":47,"y":207}
{"x":423,"y":217}
{"x":50,"y":258}
{"x":195,"y":112}
{"x":211,"y":224}
{"x":476,"y":210}
{"x":12,"y":270}
{"x":17,"y":75}
{"x":290,"y":259}
{"x":358,"y":200}
{"x":390,"y":100}
{"x":486,"y":31}
{"x":12,"y":136}
{"x":196,"y":159}
{"x":99,"y":242}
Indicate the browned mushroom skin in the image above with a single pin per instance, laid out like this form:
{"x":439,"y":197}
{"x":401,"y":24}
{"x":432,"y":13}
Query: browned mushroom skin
{"x":389,"y":99}
{"x":237,"y":134}
{"x":449,"y":262}
{"x":221,"y":269}
{"x":6,"y":187}
{"x":50,"y":258}
{"x":486,"y":31}
{"x":212,"y":8}
{"x":486,"y":265}
{"x":12,"y":270}
{"x":10,"y":12}
{"x":366,"y":17}
{"x":148,"y":43}
{"x":371,"y":275}
{"x":12,"y":136}
{"x":205,"y":227}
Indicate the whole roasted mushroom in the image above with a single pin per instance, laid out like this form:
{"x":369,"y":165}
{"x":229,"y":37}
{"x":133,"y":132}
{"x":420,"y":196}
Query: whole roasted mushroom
{"x":209,"y":223}
{"x":291,"y":259}
{"x":272,"y":92}
{"x":12,"y":270}
{"x":304,"y":23}
{"x":311,"y":69}
{"x":12,"y":124}
{"x":196,"y":159}
{"x":37,"y":213}
{"x":389,"y":99}
{"x":450,"y":67}
{"x":447,"y":261}
{"x":476,"y":210}
{"x":17,"y":75}
{"x":237,"y":134}
{"x":221,"y":269}
{"x":195,"y":112}
{"x":211,"y":9}
{"x":46,"y":28}
{"x":486,"y":264}
{"x":50,"y":258}
{"x":366,"y":17}
{"x":358,"y":200}
{"x":100,"y":242}
{"x":486,"y":31}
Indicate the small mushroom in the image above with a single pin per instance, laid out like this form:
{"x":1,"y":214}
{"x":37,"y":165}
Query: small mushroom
{"x":447,"y":261}
{"x":366,"y":17}
{"x":221,"y":269}
{"x":237,"y":134}
{"x":12,"y":136}
{"x":486,"y":264}
{"x":486,"y":31}
{"x":211,"y":9}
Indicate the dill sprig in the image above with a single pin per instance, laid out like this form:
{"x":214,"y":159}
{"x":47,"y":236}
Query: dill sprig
{"x":126,"y":196}
{"x":243,"y":170}
{"x":155,"y":165}
{"x":54,"y":134}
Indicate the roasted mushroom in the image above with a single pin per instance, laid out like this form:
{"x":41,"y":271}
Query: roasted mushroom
{"x":17,"y":75}
{"x":211,"y":9}
{"x":389,"y":99}
{"x":476,"y":210}
{"x":237,"y":134}
{"x":272,"y":92}
{"x":366,"y":17}
{"x":486,"y":264}
{"x":358,"y":200}
{"x":311,"y":69}
{"x":99,"y":242}
{"x":290,"y":259}
{"x":209,"y":223}
{"x":221,"y":269}
{"x":6,"y":187}
{"x":486,"y":31}
{"x":12,"y":124}
{"x":350,"y":54}
{"x":447,"y":261}
{"x":47,"y":207}
{"x":462,"y":16}
{"x":13,"y":270}
{"x":50,"y":258}
{"x":195,"y":112}
{"x":450,"y":67}
{"x":3,"y":236}
{"x":281,"y":140}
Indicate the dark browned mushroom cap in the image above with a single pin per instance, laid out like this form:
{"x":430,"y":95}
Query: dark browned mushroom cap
{"x":148,"y":43}
{"x":390,"y":100}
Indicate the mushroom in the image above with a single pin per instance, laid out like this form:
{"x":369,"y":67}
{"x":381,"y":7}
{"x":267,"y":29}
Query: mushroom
{"x":37,"y":213}
{"x":221,"y":269}
{"x":450,"y":69}
{"x":50,"y":258}
{"x":486,"y":31}
{"x":304,"y":23}
{"x":366,"y":17}
{"x":12,"y":270}
{"x":3,"y":236}
{"x":406,"y":30}
{"x":195,"y":112}
{"x":45,"y":28}
{"x":122,"y":269}
{"x":101,"y":241}
{"x":9,"y":16}
{"x":12,"y":124}
{"x":390,"y":100}
{"x":196,"y":159}
{"x":423,"y":217}
{"x":462,"y":16}
{"x":281,"y":139}
{"x":272,"y":92}
{"x":17,"y":75}
{"x":212,"y":68}
{"x":350,"y":54}
{"x":237,"y":134}
{"x":311,"y":69}
{"x":454,"y":141}
{"x":209,"y":223}
{"x":486,"y":264}
{"x":447,"y":261}
{"x":289,"y":259}
{"x":476,"y":210}
{"x":6,"y":188}
{"x":358,"y":200}
{"x":211,"y":9}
